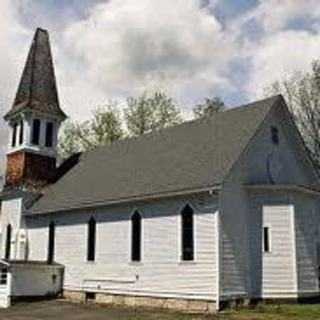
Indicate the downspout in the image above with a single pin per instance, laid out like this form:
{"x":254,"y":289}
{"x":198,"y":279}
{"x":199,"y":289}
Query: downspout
{"x":218,"y":262}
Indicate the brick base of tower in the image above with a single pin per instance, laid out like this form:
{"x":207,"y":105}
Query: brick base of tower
{"x":26,"y":169}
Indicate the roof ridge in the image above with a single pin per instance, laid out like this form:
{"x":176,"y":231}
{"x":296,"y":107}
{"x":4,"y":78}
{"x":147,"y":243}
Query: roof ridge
{"x":180,"y":125}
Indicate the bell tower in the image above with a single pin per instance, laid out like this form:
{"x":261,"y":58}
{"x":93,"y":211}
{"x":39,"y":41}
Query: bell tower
{"x":34,"y":121}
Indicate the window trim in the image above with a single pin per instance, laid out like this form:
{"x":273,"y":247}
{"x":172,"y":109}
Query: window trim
{"x":91,"y":256}
{"x":268,"y":227}
{"x":140,"y":261}
{"x":180,"y":234}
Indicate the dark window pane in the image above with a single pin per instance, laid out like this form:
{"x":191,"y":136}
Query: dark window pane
{"x":266,"y":239}
{"x":136,"y":237}
{"x":275,"y":135}
{"x":49,"y":134}
{"x":8,"y":242}
{"x":187,"y":234}
{"x":21,"y":132}
{"x":14,"y":135}
{"x":91,"y":240}
{"x":35,"y":132}
{"x":3,"y":276}
{"x":51,"y":242}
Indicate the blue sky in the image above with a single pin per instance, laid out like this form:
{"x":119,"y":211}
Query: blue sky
{"x":112,"y":49}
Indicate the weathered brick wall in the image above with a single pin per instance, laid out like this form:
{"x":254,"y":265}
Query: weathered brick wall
{"x":29,"y":169}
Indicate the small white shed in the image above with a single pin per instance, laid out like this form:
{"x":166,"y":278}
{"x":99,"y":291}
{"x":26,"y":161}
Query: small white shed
{"x":29,"y":279}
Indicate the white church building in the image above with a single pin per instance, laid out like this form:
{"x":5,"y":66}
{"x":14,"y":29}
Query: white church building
{"x":225,"y":208}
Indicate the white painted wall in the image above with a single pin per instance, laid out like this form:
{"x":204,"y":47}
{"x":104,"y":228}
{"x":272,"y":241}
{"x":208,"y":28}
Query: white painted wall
{"x":279,"y":265}
{"x":35,"y":280}
{"x":307,"y":239}
{"x":11,"y":214}
{"x":241,"y":215}
{"x":160,"y":273}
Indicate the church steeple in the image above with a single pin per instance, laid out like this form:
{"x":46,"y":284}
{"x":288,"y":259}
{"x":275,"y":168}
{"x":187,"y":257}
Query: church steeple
{"x":37,"y":90}
{"x":34,"y":119}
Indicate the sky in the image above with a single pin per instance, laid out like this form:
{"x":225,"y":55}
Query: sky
{"x":111,"y":49}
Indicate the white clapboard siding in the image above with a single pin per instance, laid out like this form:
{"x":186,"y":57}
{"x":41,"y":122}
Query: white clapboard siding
{"x":307,"y":236}
{"x":11,"y":214}
{"x":160,"y":273}
{"x":233,"y":242}
{"x":278,"y":266}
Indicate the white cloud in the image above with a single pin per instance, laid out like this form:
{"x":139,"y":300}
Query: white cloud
{"x":280,"y":50}
{"x":119,"y":48}
{"x":12,"y":37}
{"x":278,"y":56}
{"x":126,"y":46}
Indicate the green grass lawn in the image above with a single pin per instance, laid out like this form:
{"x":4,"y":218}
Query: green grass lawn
{"x":274,"y":312}
{"x":58,"y":310}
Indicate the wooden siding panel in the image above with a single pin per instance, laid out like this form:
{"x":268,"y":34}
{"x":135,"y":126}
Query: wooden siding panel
{"x":160,"y":273}
{"x":307,"y":229}
{"x":278,"y":265}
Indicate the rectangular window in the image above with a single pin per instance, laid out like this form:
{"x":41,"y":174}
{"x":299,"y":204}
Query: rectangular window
{"x":49,"y":134}
{"x":14,"y":135}
{"x":21,"y":132}
{"x":266,"y":239}
{"x":36,"y":132}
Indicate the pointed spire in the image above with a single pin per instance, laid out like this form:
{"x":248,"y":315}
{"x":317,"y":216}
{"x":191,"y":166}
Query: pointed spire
{"x":37,"y":89}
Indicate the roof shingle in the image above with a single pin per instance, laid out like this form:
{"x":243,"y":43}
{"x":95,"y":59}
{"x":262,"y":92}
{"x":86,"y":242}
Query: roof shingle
{"x":193,"y":155}
{"x":37,"y":89}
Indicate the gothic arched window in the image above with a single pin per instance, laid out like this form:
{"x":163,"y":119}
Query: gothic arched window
{"x":136,"y":237}
{"x":187,"y":233}
{"x":51,"y":242}
{"x":91,"y":240}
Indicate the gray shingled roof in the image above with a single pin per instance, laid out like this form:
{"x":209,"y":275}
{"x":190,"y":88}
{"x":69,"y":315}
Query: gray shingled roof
{"x":193,"y":155}
{"x":37,"y":89}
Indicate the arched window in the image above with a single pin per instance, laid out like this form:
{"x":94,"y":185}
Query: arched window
{"x":8,"y":242}
{"x":91,"y":240}
{"x":187,"y":234}
{"x":49,"y":134}
{"x":51,"y":242}
{"x":14,"y":135}
{"x":36,"y":131}
{"x":21,"y":132}
{"x":136,"y":237}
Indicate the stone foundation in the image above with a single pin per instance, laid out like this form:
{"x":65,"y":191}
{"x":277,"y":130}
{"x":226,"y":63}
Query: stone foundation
{"x":183,"y":305}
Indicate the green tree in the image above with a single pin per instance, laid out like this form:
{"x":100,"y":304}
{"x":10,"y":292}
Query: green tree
{"x":104,"y":128}
{"x":209,"y":107}
{"x":302,"y":93}
{"x":150,"y":112}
